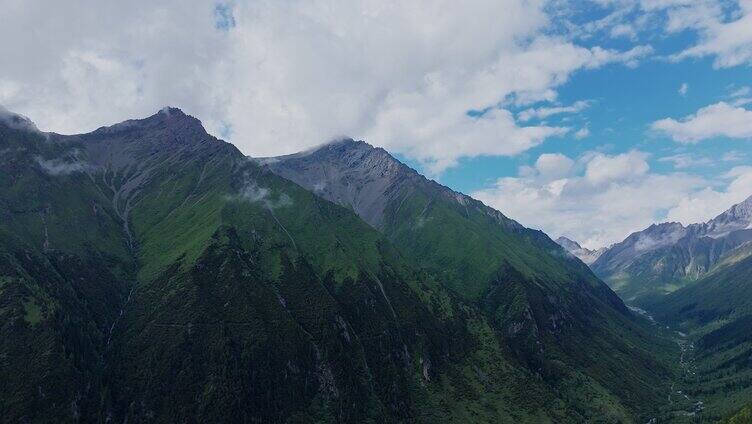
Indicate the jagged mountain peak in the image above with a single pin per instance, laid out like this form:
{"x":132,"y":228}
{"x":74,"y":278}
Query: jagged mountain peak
{"x":169,"y":124}
{"x":667,"y":225}
{"x":656,"y":235}
{"x":358,"y":175}
{"x":355,"y":153}
{"x":348,"y":172}
{"x":652,"y":261}
{"x":365,"y":178}
{"x":737,"y":217}
{"x":134,"y":147}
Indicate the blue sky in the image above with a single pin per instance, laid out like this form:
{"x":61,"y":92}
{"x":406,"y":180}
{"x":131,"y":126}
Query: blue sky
{"x":568,"y":116}
{"x":625,"y":102}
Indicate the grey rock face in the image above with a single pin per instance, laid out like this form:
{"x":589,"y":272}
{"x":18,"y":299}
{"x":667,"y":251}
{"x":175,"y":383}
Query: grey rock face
{"x":357,"y":175}
{"x":738,"y":217}
{"x":653,"y":238}
{"x":124,"y":157}
{"x":568,"y":243}
{"x":347,"y":172}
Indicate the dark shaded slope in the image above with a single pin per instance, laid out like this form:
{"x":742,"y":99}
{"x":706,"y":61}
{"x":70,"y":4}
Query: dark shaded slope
{"x":744,"y":416}
{"x":278,"y":270}
{"x":65,"y":270}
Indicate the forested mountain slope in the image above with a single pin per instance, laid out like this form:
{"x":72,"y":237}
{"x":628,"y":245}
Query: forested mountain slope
{"x":556,"y":315}
{"x":716,"y":312}
{"x":150,"y":272}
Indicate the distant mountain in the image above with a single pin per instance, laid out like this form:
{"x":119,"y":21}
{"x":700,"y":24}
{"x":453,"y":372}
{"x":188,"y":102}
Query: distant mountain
{"x":151,"y":272}
{"x":698,"y":280}
{"x":545,"y":304}
{"x":585,"y":255}
{"x":668,"y":256}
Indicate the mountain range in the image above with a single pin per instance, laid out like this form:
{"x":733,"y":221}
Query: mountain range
{"x":150,"y":272}
{"x":697,"y":279}
{"x":668,"y":256}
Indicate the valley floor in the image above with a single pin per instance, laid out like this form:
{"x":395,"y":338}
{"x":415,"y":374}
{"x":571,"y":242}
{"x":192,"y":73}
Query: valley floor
{"x":688,"y":399}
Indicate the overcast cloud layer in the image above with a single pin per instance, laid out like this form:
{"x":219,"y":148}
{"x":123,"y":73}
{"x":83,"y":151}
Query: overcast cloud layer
{"x":430,"y":80}
{"x":279,"y":76}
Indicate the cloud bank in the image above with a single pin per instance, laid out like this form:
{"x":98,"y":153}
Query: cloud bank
{"x":277,"y":77}
{"x":599,"y":199}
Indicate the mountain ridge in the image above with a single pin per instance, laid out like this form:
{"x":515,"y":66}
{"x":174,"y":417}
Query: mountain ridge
{"x":670,"y":255}
{"x":541,"y":288}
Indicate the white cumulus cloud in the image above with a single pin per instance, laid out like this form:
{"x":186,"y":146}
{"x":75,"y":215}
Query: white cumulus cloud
{"x":729,"y":41}
{"x":717,"y":120}
{"x":710,"y":202}
{"x":598,"y":199}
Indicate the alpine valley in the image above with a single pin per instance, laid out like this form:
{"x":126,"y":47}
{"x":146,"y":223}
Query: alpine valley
{"x":150,"y":272}
{"x":697,"y":279}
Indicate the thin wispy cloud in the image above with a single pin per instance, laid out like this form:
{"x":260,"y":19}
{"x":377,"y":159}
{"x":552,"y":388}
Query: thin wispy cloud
{"x":683,"y":89}
{"x":545,"y":112}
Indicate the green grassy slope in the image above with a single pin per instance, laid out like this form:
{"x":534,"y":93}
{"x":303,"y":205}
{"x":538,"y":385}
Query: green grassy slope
{"x":555,"y":315}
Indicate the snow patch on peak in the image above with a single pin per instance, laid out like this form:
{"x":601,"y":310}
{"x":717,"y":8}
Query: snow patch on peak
{"x":737,"y":217}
